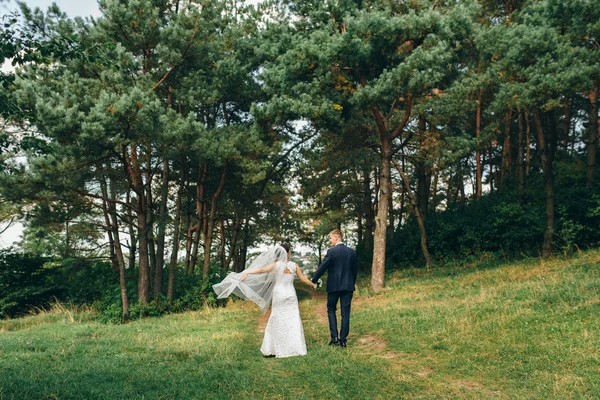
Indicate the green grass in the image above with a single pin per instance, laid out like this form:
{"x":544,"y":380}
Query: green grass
{"x":524,"y":330}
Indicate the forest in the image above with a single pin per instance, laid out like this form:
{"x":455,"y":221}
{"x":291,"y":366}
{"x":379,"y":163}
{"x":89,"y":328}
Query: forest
{"x":151,"y":150}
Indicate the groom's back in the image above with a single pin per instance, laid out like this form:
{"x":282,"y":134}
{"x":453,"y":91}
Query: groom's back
{"x":342,"y":272}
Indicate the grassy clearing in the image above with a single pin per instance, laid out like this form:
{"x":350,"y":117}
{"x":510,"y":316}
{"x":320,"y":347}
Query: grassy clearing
{"x":519,"y":330}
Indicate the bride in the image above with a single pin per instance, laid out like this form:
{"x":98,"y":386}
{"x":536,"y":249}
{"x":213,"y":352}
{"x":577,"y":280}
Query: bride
{"x":270,"y":279}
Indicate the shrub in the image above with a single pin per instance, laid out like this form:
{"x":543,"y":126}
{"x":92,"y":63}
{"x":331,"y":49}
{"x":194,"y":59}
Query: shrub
{"x":24,"y":283}
{"x":194,"y":292}
{"x":500,"y":224}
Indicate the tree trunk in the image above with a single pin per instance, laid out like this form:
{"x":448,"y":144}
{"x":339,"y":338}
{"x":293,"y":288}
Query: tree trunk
{"x":195,"y":245}
{"x":478,"y":168}
{"x":108,"y":224}
{"x":201,"y":214}
{"x":119,"y":251}
{"x":451,"y":194}
{"x":527,"y":144}
{"x":119,"y":254}
{"x":359,"y":226}
{"x":368,"y":210}
{"x":386,"y":140}
{"x":567,"y":125}
{"x":434,"y":187}
{"x":422,"y":182}
{"x":132,"y":233}
{"x":244,"y":249}
{"x":378,"y":266}
{"x":491,"y":164}
{"x":133,"y":167}
{"x":376,"y":192}
{"x":420,"y":220}
{"x":390,"y":227}
{"x":461,"y":185}
{"x":110,"y":216}
{"x":150,"y":215}
{"x":211,"y":222}
{"x":402,"y":198}
{"x":506,"y":168}
{"x":189,"y":228}
{"x":520,"y":156}
{"x":162,"y":225}
{"x":592,"y":138}
{"x":546,"y":145}
{"x":144,"y":266}
{"x":233,"y":247}
{"x":222,"y":249}
{"x":176,"y":242}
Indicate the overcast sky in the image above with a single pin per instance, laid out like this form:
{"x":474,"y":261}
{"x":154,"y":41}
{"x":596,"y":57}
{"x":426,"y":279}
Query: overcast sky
{"x":73,"y":8}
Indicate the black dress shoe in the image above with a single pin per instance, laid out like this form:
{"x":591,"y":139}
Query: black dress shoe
{"x":334,"y":342}
{"x":343,"y":344}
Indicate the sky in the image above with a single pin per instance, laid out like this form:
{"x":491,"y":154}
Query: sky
{"x":73,"y":8}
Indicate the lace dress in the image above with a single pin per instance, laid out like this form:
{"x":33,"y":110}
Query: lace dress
{"x":284,"y":335}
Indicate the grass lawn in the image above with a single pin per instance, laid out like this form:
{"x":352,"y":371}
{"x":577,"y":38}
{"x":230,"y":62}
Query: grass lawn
{"x":523,"y":330}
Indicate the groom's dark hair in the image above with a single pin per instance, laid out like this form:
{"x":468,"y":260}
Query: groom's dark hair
{"x":286,"y":246}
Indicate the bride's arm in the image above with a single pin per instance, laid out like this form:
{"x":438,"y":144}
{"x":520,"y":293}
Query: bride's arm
{"x":303,"y":278}
{"x":257,"y":271}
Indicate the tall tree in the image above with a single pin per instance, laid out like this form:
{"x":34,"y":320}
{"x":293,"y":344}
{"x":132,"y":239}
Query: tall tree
{"x":529,"y":56}
{"x":577,"y":21}
{"x":377,"y":59}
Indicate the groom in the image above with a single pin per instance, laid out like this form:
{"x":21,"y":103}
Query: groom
{"x":342,"y":265}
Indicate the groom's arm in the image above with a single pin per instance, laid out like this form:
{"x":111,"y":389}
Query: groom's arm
{"x":322,"y":268}
{"x":354,"y":267}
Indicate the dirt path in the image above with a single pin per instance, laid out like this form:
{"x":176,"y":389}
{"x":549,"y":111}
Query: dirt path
{"x":373,"y":345}
{"x":367,"y":345}
{"x":262,"y":321}
{"x":319,"y":311}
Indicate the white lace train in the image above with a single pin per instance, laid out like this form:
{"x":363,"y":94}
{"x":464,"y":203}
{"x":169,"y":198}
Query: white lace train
{"x":284,"y":334}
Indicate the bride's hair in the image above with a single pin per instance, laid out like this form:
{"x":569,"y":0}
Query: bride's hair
{"x":286,"y":246}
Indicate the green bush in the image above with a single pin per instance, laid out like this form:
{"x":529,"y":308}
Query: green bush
{"x":500,"y":224}
{"x":28,"y":282}
{"x":25,"y":283}
{"x":195,"y":292}
{"x":85,"y":281}
{"x":191,"y":292}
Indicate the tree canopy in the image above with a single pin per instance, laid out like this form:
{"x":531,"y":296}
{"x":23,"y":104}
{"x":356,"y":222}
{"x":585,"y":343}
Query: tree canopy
{"x":170,"y":136}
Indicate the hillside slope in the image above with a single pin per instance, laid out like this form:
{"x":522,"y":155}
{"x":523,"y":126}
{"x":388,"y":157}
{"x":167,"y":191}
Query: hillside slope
{"x":520,"y":330}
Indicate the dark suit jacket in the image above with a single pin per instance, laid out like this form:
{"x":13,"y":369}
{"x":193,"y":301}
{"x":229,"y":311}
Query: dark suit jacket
{"x":342,"y":265}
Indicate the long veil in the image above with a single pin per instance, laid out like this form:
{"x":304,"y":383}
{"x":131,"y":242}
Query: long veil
{"x":256,"y":287}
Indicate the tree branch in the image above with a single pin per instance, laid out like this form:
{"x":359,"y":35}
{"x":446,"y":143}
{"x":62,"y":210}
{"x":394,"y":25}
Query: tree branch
{"x":380,"y":120}
{"x":95,"y":196}
{"x":189,"y":44}
{"x":407,"y":113}
{"x":9,"y":225}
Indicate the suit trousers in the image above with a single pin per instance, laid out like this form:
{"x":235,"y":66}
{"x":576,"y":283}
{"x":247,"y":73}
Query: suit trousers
{"x":345,"y":298}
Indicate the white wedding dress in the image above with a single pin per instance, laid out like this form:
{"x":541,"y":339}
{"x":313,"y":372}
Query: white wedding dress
{"x":284,"y":335}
